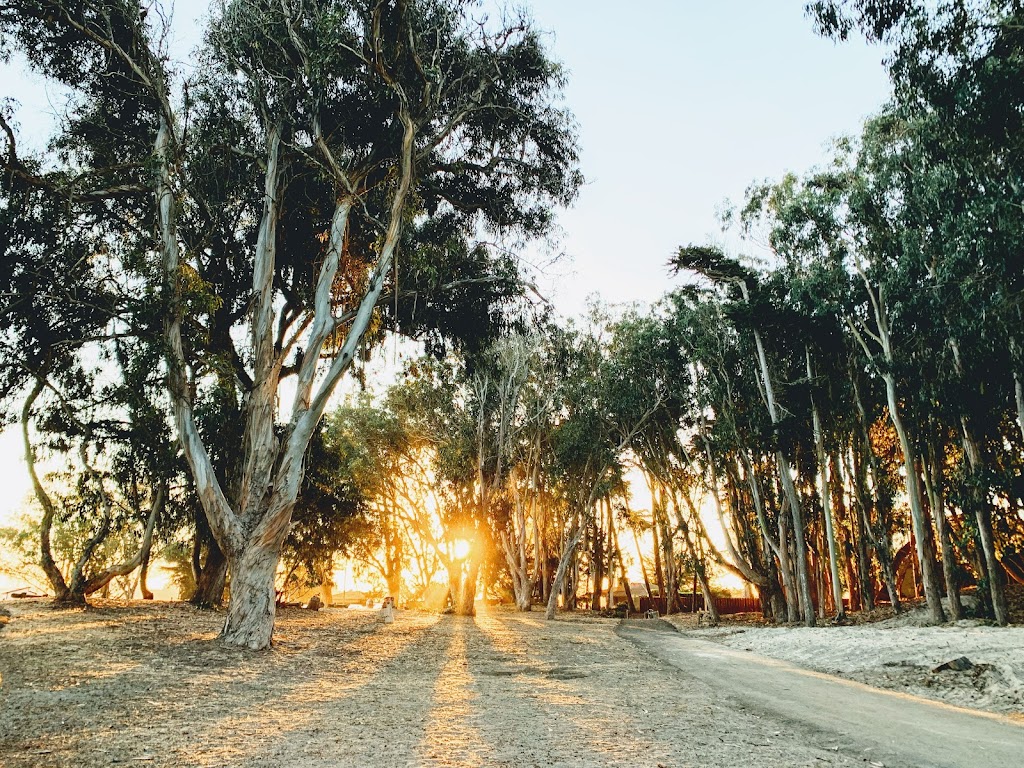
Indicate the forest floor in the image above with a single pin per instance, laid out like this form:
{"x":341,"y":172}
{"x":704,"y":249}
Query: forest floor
{"x":898,"y":653}
{"x":148,"y":684}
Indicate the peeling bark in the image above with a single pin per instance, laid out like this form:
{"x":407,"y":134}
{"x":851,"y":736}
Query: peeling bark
{"x":250,"y":618}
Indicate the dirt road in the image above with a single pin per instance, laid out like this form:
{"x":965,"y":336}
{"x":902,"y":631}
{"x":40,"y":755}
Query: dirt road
{"x":149,"y":685}
{"x":881,"y":727}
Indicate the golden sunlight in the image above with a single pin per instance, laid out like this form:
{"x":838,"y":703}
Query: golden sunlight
{"x":461,"y":549}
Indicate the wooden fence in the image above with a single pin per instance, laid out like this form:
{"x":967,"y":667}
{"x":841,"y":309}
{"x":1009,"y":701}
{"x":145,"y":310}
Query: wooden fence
{"x":725,"y":605}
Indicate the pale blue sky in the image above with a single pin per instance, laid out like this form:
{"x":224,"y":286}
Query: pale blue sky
{"x":681,"y":105}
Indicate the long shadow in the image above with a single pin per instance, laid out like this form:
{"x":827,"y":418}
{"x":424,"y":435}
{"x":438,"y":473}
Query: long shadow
{"x":452,"y":736}
{"x":331,"y":713}
{"x":225,"y":704}
{"x":573,"y":715}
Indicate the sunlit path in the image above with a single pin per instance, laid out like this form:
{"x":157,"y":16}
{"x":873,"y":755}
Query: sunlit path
{"x":329,"y":710}
{"x":576,"y":723}
{"x":451,"y":737}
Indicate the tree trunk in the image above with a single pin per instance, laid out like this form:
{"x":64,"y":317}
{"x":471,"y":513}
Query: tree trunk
{"x":983,"y":515}
{"x":786,"y":570}
{"x":826,"y":502}
{"x":921,"y":524}
{"x":570,"y":586}
{"x":525,"y":603}
{"x":659,"y":571}
{"x":102,"y":579}
{"x":394,"y":582}
{"x":212,"y":578}
{"x":860,"y":536}
{"x":538,"y":554}
{"x":327,"y":589}
{"x":251,"y":530}
{"x":623,"y":576}
{"x":1018,"y":384}
{"x":771,"y":547}
{"x":933,"y":483}
{"x":454,"y":569}
{"x":466,"y":605}
{"x":518,"y":567}
{"x":46,"y":561}
{"x":669,"y":561}
{"x":143,"y":573}
{"x":597,"y":568}
{"x":250,"y":619}
{"x":568,"y":551}
{"x":643,"y":565}
{"x":800,"y":549}
{"x":609,"y":566}
{"x":1018,"y":391}
{"x":799,"y":542}
{"x":699,"y":571}
{"x":863,"y":458}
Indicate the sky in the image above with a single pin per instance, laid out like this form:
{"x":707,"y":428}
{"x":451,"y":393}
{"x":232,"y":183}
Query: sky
{"x":681,"y":104}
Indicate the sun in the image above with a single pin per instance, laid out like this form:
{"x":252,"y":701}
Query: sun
{"x":461,"y":549}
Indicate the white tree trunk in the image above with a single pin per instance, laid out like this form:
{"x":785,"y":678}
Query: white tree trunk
{"x":983,"y":515}
{"x":785,"y":475}
{"x":920,"y":522}
{"x":251,"y":533}
{"x":918,"y":518}
{"x":572,"y":540}
{"x":250,"y":619}
{"x":826,"y":501}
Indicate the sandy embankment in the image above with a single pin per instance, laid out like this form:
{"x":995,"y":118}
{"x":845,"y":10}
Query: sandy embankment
{"x":898,"y":654}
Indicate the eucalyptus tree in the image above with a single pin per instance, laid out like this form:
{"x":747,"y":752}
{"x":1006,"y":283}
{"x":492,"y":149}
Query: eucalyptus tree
{"x":347,"y":127}
{"x":519,"y":390}
{"x":77,"y":350}
{"x":607,"y":396}
{"x":805,"y":229}
{"x":122,"y":465}
{"x":843,"y":226}
{"x":714,"y":265}
{"x":957,"y":71}
{"x":665,"y":459}
{"x":716,"y":424}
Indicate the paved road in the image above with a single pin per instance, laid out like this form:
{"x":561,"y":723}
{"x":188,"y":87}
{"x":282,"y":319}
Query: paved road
{"x":882,"y":727}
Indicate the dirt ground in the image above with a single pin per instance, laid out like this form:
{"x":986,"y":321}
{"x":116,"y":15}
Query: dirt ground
{"x":148,"y":684}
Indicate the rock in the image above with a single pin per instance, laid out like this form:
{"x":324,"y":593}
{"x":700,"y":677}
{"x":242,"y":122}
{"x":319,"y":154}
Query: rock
{"x":961,"y":664}
{"x":315,"y":603}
